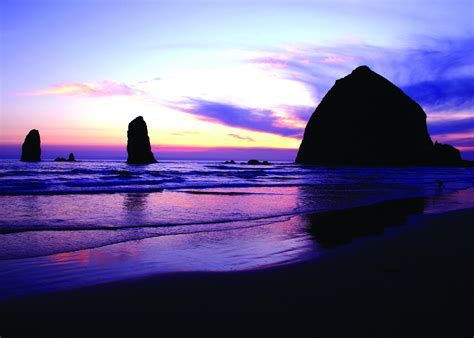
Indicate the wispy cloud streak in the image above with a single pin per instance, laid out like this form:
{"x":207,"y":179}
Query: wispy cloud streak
{"x":245,"y":138}
{"x":100,"y":89}
{"x":452,"y":126}
{"x":255,"y":119}
{"x":437,"y":73}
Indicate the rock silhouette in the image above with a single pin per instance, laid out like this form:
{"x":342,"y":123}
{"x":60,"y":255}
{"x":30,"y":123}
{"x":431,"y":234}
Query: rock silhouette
{"x":446,"y":153}
{"x":31,"y":148}
{"x":257,"y":162}
{"x":365,"y":119}
{"x":138,"y":143}
{"x":71,"y":158}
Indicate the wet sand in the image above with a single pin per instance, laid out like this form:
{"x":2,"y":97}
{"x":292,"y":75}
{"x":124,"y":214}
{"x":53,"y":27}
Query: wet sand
{"x":414,"y":281}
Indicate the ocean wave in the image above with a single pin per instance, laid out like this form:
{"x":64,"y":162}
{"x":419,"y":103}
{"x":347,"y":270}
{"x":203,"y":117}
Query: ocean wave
{"x":118,"y":190}
{"x":49,"y":178}
{"x":92,"y":188}
{"x":40,"y":228}
{"x":176,"y":184}
{"x":118,"y":183}
{"x":79,"y":240}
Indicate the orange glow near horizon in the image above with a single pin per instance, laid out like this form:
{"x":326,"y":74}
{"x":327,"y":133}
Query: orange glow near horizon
{"x":103,"y":120}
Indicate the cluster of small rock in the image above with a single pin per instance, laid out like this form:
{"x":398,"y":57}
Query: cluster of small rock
{"x":250,"y":162}
{"x":71,"y":158}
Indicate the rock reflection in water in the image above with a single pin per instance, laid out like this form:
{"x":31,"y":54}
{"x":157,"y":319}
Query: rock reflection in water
{"x":335,"y":228}
{"x":135,"y":201}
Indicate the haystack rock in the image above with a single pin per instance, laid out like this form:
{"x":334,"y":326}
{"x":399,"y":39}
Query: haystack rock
{"x":365,"y":119}
{"x":31,"y":148}
{"x":138,"y":144}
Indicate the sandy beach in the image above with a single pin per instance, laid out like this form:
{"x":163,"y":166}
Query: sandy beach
{"x":416,"y":279}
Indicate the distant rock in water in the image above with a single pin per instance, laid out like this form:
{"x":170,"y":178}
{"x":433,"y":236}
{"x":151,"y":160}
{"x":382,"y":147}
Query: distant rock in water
{"x":365,"y":119}
{"x":257,"y":162}
{"x":71,"y":158}
{"x":31,"y":148}
{"x":138,"y":144}
{"x":229,"y":162}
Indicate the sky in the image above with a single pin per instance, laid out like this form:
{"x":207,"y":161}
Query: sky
{"x":220,"y":79}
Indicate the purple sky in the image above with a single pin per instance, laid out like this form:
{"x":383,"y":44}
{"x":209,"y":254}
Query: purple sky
{"x":210,"y":76}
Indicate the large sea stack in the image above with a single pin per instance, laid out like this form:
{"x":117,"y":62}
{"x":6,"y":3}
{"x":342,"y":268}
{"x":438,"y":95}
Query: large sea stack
{"x":31,"y":148}
{"x":365,"y":119}
{"x":138,"y":143}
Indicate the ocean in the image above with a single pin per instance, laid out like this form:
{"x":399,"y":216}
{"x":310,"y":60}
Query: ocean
{"x":66,"y":225}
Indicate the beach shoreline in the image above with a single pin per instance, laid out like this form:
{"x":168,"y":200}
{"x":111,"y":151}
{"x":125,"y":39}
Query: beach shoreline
{"x":403,"y":279}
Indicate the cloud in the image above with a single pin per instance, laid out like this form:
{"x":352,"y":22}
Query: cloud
{"x":151,"y":80}
{"x":255,"y":119}
{"x":452,"y":126}
{"x":271,"y":61}
{"x":463,"y":142}
{"x":100,"y":89}
{"x":337,"y":59}
{"x":300,"y":114}
{"x":437,"y":73}
{"x":186,"y":132}
{"x":242,"y":137}
{"x":443,"y":94}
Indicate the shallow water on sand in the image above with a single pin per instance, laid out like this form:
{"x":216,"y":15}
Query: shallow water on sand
{"x":75,"y":224}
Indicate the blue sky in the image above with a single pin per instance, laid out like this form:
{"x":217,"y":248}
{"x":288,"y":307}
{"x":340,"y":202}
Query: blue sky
{"x":210,"y":74}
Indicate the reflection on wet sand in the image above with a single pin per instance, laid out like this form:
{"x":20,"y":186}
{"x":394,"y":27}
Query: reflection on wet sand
{"x":135,"y":208}
{"x":135,"y":201}
{"x":81,"y":258}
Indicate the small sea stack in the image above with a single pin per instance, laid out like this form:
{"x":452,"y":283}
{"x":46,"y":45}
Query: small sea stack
{"x":446,"y":153}
{"x":71,"y":158}
{"x":31,"y":148}
{"x":138,"y":143}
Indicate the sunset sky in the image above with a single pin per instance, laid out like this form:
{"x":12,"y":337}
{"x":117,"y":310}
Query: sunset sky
{"x":210,"y":77}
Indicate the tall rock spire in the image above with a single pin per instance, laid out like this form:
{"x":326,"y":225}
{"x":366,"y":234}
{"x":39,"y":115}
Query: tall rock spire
{"x":138,"y":143}
{"x":31,"y":148}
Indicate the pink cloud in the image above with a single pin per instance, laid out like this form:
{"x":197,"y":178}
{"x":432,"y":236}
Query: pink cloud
{"x":452,"y":136}
{"x":100,"y":89}
{"x":272,"y":62}
{"x":337,"y":59}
